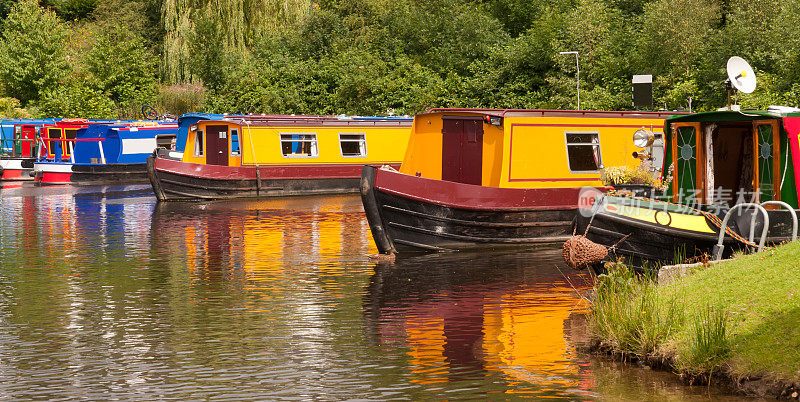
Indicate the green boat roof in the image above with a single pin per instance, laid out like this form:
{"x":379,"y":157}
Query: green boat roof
{"x":729,"y":115}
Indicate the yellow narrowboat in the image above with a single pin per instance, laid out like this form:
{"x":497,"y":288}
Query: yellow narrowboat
{"x":487,"y":178}
{"x":255,"y":156}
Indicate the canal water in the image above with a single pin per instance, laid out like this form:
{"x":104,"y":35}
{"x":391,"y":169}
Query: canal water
{"x":107,"y":294}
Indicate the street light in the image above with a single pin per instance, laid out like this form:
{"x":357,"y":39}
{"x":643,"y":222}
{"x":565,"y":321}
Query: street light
{"x":577,"y":75}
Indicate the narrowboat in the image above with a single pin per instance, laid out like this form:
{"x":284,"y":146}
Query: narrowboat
{"x":255,"y":156}
{"x":729,"y":169}
{"x":26,"y":144}
{"x":485,"y":178}
{"x":103,"y":153}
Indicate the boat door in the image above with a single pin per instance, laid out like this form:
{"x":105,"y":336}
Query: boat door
{"x":462,"y":149}
{"x":688,"y":178}
{"x":726,"y":161}
{"x":767,"y":164}
{"x":217,"y":144}
{"x":26,"y":141}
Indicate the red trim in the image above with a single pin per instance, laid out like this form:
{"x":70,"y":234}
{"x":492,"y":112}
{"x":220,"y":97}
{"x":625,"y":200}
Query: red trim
{"x":582,"y":125}
{"x":511,"y":149}
{"x":558,"y":179}
{"x":13,"y":174}
{"x":630,"y":114}
{"x":54,"y":178}
{"x":215,"y":172}
{"x":72,"y":139}
{"x":792,"y":126}
{"x":473,"y":197}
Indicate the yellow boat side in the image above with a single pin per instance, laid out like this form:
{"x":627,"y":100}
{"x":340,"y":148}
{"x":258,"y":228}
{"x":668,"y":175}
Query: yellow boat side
{"x":529,"y":148}
{"x":297,"y":142}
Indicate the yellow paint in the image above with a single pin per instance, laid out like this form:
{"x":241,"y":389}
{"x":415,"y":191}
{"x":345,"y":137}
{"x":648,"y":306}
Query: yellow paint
{"x":261,"y":144}
{"x":694,"y":223}
{"x":529,"y":151}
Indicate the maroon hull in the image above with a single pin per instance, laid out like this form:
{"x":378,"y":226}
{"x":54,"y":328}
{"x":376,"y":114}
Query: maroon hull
{"x":176,"y":180}
{"x":408,"y":213}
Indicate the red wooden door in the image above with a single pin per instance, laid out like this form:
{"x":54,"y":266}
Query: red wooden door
{"x":462,"y":149}
{"x":217,"y":145}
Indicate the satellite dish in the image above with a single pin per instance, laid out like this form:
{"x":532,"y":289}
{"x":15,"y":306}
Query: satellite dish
{"x":741,"y":75}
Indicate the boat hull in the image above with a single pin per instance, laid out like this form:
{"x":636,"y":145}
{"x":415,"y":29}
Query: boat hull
{"x":16,"y":169}
{"x":67,"y":173}
{"x":408,"y":213}
{"x":177,"y":180}
{"x":670,"y":236}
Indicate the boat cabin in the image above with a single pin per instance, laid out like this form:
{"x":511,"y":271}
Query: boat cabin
{"x":131,"y":142}
{"x":730,"y":157}
{"x":19,"y":136}
{"x":59,"y":138}
{"x":296,"y":140}
{"x":526,"y":148}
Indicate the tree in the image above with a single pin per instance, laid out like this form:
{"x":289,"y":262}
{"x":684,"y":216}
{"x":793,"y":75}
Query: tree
{"x":76,"y":99}
{"x":122,"y":67}
{"x":32,"y":51}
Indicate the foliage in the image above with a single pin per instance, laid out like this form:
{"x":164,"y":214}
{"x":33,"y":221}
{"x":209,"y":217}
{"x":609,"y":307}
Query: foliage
{"x":618,"y":175}
{"x":627,"y":313}
{"x":32,"y":52}
{"x":373,"y":56}
{"x":179,"y":99}
{"x":10,"y":109}
{"x":710,"y":346}
{"x":122,"y":67}
{"x":76,"y":99}
{"x":73,"y":9}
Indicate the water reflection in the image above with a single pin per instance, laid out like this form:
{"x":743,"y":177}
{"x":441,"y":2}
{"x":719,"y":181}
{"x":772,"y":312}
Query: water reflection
{"x":465,"y":316}
{"x":106,"y":294}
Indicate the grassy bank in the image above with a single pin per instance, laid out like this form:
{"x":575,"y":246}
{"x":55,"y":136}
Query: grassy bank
{"x":737,"y":320}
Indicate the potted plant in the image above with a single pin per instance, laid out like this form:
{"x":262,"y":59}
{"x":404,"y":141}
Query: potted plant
{"x":637,"y":181}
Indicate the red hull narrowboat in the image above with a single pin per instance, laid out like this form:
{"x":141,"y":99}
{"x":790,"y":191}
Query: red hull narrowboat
{"x":276,"y":155}
{"x":481,"y":178}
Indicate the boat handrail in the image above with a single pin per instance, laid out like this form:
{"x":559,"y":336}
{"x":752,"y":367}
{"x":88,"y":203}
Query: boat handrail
{"x":718,"y":248}
{"x":72,"y":139}
{"x":780,"y":203}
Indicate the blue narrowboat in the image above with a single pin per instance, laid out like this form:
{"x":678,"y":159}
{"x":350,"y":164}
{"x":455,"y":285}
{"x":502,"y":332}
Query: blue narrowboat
{"x":103,"y":153}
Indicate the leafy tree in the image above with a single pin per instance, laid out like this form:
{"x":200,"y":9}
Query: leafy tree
{"x":32,"y":52}
{"x":73,"y":9}
{"x":10,"y":109}
{"x":76,"y":99}
{"x":122,"y":67}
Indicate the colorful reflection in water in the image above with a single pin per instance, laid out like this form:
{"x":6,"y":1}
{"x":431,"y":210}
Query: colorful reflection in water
{"x":106,"y":294}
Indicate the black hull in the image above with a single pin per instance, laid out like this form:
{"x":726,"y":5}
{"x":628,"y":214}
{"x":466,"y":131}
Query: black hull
{"x":133,"y":173}
{"x":648,"y":245}
{"x":401,"y":224}
{"x":641,"y":243}
{"x":176,"y":187}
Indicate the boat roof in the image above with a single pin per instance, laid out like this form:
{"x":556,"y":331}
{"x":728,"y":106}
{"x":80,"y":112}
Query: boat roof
{"x":737,"y":115}
{"x":322,"y":121}
{"x":556,"y":113}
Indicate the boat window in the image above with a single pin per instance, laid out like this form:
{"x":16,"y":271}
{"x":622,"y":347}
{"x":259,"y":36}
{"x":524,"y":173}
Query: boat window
{"x":53,"y":134}
{"x":235,"y":151}
{"x":198,"y":143}
{"x":70,"y":135}
{"x":353,"y":145}
{"x":658,"y":152}
{"x":583,"y":152}
{"x":166,"y":141}
{"x":299,"y":145}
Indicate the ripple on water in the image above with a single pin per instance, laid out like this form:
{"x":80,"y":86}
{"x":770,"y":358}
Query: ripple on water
{"x":106,"y":294}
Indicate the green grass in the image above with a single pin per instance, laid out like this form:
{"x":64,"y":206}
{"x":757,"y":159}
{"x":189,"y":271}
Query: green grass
{"x":741,"y":317}
{"x":760,"y":297}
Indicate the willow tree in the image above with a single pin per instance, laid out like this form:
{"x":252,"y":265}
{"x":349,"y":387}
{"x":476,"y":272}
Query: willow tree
{"x":239,"y":22}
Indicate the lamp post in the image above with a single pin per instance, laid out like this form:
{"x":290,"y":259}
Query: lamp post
{"x":577,"y":75}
